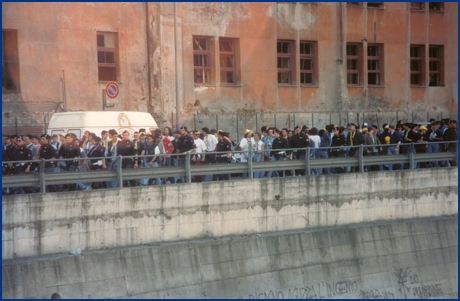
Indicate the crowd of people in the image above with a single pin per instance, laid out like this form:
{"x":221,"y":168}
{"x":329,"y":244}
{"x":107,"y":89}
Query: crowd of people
{"x":166,"y":148}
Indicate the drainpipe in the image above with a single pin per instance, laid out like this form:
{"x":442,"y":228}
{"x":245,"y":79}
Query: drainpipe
{"x":176,"y":67}
{"x":341,"y":34}
{"x":148,"y":53}
{"x":64,"y":96}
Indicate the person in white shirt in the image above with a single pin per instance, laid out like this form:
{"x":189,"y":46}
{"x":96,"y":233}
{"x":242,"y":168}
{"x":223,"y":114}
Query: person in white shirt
{"x":246,"y":143}
{"x":258,"y":149}
{"x":200,"y":146}
{"x":56,"y":143}
{"x":210,"y":142}
{"x":317,"y":142}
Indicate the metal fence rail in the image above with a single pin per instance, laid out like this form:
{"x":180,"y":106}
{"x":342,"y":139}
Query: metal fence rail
{"x":42,"y":179}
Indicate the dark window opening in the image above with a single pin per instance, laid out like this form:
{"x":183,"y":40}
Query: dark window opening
{"x":285,"y":61}
{"x":375,"y":4}
{"x":417,"y":5}
{"x":354,"y":4}
{"x":308,"y":59}
{"x":10,"y":61}
{"x":353,"y":64}
{"x":416,"y":65}
{"x":201,"y":60}
{"x":436,"y":6}
{"x":374,"y":65}
{"x":107,"y":56}
{"x":228,"y":65}
{"x":435,"y":66}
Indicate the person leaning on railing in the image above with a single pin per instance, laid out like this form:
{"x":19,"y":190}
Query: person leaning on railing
{"x":96,"y":151}
{"x":70,"y":151}
{"x":223,"y":145}
{"x":338,"y":140}
{"x":48,"y":152}
{"x":451,"y":135}
{"x":21,"y":153}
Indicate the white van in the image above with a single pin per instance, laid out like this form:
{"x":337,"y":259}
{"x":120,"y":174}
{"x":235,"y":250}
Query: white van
{"x":97,"y":121}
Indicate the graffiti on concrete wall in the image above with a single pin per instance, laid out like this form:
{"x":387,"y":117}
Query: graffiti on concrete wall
{"x":407,"y":285}
{"x":318,"y":290}
{"x":410,"y":285}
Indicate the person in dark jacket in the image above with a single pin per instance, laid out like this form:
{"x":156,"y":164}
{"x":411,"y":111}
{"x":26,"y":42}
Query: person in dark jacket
{"x":22,"y":153}
{"x":354,"y":138}
{"x":338,"y":140}
{"x":126,"y":148}
{"x":451,"y":135}
{"x":69,"y":151}
{"x":278,"y":145}
{"x":48,"y":152}
{"x":322,"y":152}
{"x":299,"y":140}
{"x":223,"y":145}
{"x":395,"y":138}
{"x":96,"y":151}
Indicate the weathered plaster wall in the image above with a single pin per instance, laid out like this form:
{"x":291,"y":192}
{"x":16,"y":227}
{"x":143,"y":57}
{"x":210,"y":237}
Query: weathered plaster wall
{"x":61,"y":37}
{"x":259,"y":25}
{"x":34,"y":225}
{"x":404,"y":259}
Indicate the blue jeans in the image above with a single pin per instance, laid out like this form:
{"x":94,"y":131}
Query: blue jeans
{"x":181,"y":162}
{"x":391,"y":150}
{"x":258,"y":174}
{"x":323,"y":154}
{"x":83,"y":185}
{"x":112,"y":166}
{"x":272,"y":173}
{"x":168,"y":162}
{"x":433,"y":148}
{"x":209,"y":159}
{"x":145,"y":181}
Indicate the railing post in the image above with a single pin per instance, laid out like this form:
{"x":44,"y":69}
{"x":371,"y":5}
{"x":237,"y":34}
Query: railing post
{"x":250,"y":173}
{"x":361,"y":163}
{"x":119,"y":175}
{"x":411,"y":156}
{"x":188,"y":174}
{"x":307,"y":162}
{"x":42,"y":176}
{"x":456,"y":152}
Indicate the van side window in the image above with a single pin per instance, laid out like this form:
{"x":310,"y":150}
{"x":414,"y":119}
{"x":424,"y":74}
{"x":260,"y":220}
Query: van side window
{"x":57,"y":132}
{"x":77,"y":132}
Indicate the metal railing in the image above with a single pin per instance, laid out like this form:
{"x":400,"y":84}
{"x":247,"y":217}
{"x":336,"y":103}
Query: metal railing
{"x":41,"y":178}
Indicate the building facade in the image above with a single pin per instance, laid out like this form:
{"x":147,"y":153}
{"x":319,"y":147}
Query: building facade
{"x":232,"y":59}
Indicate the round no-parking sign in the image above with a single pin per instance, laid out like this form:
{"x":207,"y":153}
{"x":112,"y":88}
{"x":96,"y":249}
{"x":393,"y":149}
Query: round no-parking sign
{"x":112,"y":89}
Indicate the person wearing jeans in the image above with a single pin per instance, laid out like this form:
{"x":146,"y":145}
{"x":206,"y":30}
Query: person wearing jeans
{"x":258,"y":149}
{"x":395,"y":138}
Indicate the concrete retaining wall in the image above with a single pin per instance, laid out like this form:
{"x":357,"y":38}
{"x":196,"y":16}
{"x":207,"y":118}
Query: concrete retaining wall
{"x":411,"y":259}
{"x":36,"y":225}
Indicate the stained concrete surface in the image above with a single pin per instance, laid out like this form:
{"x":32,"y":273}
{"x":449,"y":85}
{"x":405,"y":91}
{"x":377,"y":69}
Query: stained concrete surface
{"x":399,"y":259}
{"x":35,"y":225}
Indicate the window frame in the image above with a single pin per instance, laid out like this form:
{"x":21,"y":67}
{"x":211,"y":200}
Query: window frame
{"x":441,"y":7}
{"x":359,"y":61}
{"x":292,"y":65}
{"x":379,"y":58}
{"x":105,"y":49}
{"x":15,"y":79}
{"x":379,"y":5}
{"x":421,"y":60}
{"x":234,"y":55}
{"x":440,"y":60}
{"x":413,"y":8}
{"x":355,"y":4}
{"x":209,"y":54}
{"x":314,"y":61}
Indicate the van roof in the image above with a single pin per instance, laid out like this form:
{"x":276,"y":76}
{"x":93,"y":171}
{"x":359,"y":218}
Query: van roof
{"x":103,"y":119}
